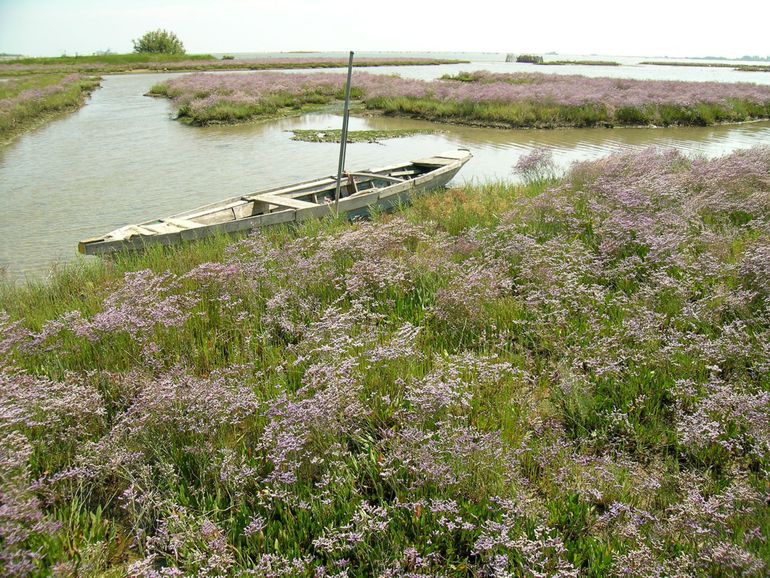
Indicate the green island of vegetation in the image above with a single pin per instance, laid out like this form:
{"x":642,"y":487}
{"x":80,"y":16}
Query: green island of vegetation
{"x":738,"y":67}
{"x":579,"y":62}
{"x":521,"y":100}
{"x":567,"y":377}
{"x":31,"y":101}
{"x":539,"y":60}
{"x":529,"y":59}
{"x":158,"y":62}
{"x":753,"y":68}
{"x":354,"y":136}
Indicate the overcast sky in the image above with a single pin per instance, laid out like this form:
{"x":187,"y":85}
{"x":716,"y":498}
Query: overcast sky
{"x":650,"y":27}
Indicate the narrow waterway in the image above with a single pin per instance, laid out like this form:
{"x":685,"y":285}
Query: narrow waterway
{"x":122,"y":158}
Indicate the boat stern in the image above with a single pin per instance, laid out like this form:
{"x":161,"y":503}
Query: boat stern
{"x":457,"y":156}
{"x":87,"y":246}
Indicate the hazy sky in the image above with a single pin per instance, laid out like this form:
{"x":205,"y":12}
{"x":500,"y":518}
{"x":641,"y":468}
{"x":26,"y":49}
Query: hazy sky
{"x":649,"y":27}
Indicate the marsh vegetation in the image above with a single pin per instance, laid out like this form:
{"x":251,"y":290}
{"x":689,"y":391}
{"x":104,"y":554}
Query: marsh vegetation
{"x":482,"y":98}
{"x":567,"y":377}
{"x":369,"y":136}
{"x":30,"y":101}
{"x":160,"y":62}
{"x":741,"y":67}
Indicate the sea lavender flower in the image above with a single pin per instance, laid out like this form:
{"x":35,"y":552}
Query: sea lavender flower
{"x":256,"y":525}
{"x":23,"y":521}
{"x":438,"y":391}
{"x":12,"y":333}
{"x":475,"y":284}
{"x":536,"y":166}
{"x":626,"y":101}
{"x":368,"y":521}
{"x":400,"y":345}
{"x":145,"y":300}
{"x":54,"y":412}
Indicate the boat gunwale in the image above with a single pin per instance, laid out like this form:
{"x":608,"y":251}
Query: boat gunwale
{"x":293,"y":191}
{"x":101,"y":245}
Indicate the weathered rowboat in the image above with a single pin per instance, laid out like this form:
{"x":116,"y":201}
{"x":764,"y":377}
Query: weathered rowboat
{"x":384,"y":187}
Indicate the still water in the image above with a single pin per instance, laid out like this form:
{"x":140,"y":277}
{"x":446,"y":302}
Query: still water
{"x":629,"y":66}
{"x":122,"y":158}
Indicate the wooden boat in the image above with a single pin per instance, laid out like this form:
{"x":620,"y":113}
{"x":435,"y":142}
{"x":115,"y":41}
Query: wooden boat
{"x":384,"y":187}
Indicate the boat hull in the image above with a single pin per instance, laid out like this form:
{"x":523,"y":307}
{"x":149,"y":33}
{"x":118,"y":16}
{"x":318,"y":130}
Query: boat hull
{"x":437,"y":172}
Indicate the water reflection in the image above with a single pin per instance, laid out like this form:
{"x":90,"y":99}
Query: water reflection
{"x":122,"y":159}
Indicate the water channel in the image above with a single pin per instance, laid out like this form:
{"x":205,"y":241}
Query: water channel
{"x":122,"y":159}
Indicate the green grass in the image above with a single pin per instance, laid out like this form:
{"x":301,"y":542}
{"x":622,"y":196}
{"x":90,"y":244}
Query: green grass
{"x":367,"y":136}
{"x":275,"y":106}
{"x":580,"y":62}
{"x":495,"y":114}
{"x":27,"y":113}
{"x":131,"y":58}
{"x":548,"y":115}
{"x":689,"y":64}
{"x":141,"y":62}
{"x":82,"y":285}
{"x":474,"y":77}
{"x":739,"y":67}
{"x":753,"y":68}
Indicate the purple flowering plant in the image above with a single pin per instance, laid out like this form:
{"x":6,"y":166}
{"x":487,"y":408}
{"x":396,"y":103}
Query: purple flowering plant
{"x":500,"y":100}
{"x":558,"y":378}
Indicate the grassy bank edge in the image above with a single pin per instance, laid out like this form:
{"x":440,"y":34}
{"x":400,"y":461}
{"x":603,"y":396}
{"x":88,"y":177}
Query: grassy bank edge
{"x":738,"y":67}
{"x":550,"y":116}
{"x":137,"y":63}
{"x":81,"y":283}
{"x":36,"y":113}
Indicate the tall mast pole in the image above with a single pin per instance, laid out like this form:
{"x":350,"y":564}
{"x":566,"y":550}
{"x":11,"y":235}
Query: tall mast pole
{"x":344,"y":138}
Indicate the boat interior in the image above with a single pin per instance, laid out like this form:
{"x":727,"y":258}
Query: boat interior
{"x":305,"y":195}
{"x":310,"y":198}
{"x":311,"y":194}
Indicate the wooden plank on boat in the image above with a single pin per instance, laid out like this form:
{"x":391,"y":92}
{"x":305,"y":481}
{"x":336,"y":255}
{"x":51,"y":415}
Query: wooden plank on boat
{"x":434,"y":161}
{"x":182,"y":224}
{"x":388,"y":192}
{"x":282,"y":201}
{"x":240,"y":225}
{"x":131,"y":231}
{"x":376,"y":176}
{"x":362,"y":199}
{"x":454,"y":155}
{"x":445,"y":158}
{"x":300,"y":188}
{"x":213,"y":214}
